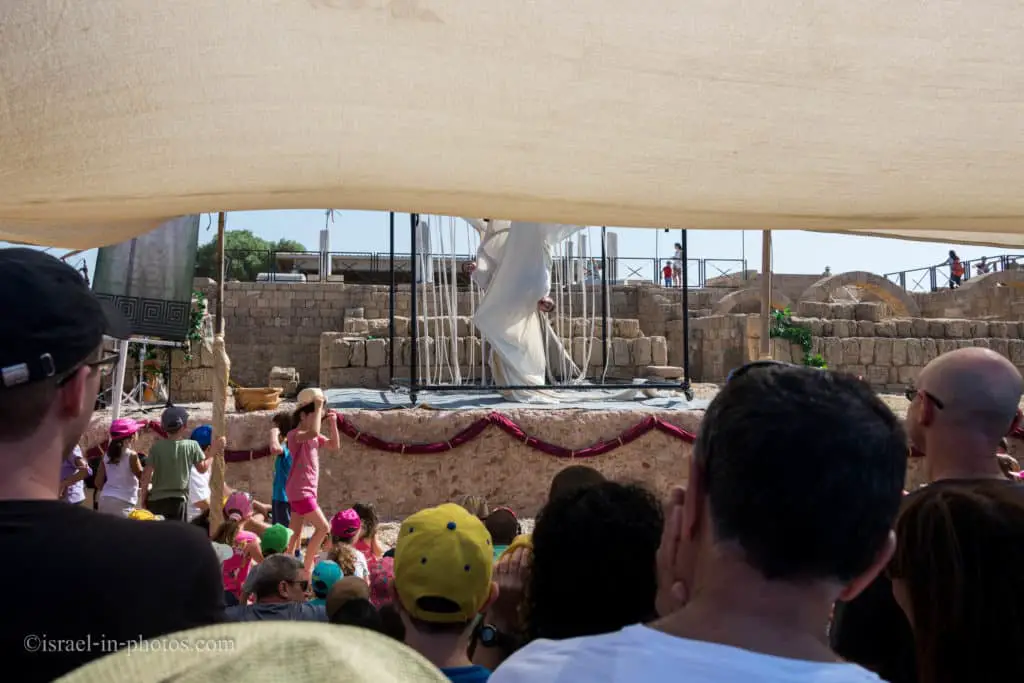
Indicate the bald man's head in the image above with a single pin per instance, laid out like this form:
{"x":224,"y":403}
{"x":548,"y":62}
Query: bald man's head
{"x":973,"y":389}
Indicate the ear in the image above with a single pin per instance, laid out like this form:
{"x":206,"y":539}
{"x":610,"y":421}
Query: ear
{"x":882,"y":557}
{"x":925,"y":411}
{"x":71,"y":395}
{"x":693,"y":501}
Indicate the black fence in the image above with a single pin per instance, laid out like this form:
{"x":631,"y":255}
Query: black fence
{"x":374,"y":268}
{"x":933,"y":278}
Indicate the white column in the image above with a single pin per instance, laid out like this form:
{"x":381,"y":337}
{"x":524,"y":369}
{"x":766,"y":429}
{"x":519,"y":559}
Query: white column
{"x":117,"y":391}
{"x":612,"y":255}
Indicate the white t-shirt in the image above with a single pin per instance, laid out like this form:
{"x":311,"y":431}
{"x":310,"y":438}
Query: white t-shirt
{"x":198,"y":489}
{"x":638,"y":653}
{"x":362,"y":568}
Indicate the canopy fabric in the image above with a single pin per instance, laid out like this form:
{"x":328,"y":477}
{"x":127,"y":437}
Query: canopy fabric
{"x":895,"y":117}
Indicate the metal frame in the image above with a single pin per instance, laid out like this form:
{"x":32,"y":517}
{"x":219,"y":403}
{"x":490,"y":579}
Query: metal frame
{"x":412,"y":384}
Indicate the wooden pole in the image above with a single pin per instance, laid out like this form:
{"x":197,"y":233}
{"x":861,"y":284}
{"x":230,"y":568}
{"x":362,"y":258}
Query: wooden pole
{"x":766,"y":294}
{"x":221,"y":373}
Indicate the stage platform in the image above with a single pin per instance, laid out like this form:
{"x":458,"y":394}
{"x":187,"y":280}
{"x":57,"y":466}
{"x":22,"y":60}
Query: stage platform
{"x":375,"y":399}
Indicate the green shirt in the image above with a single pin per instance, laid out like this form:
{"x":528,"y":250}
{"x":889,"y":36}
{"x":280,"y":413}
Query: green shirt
{"x":172,"y":463}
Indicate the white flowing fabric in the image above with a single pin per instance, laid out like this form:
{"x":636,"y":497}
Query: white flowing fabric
{"x":894,"y":117}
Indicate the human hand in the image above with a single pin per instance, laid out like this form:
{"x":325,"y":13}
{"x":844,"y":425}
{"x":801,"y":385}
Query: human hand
{"x":546,"y":305}
{"x":511,"y":574}
{"x":319,"y":400}
{"x":673,"y":593}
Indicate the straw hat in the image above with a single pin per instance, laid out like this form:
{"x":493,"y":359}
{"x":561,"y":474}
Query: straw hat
{"x":260,"y":652}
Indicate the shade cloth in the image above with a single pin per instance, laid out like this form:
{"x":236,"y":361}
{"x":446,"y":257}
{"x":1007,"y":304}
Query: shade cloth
{"x":896,"y":117}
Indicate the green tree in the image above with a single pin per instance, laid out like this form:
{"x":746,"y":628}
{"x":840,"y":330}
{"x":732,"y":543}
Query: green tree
{"x":247,"y":255}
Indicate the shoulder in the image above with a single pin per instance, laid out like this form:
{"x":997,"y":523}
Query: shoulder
{"x":545,"y":660}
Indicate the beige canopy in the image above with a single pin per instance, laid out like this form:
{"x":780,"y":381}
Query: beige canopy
{"x":895,"y":117}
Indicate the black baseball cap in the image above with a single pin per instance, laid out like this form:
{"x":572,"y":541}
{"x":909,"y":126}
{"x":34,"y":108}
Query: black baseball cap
{"x":52,"y":320}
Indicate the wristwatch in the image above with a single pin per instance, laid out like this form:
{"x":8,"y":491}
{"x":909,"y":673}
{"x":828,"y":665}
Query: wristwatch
{"x":490,"y":636}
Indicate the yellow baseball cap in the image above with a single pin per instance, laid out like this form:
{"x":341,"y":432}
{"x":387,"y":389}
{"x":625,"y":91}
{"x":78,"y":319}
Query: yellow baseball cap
{"x":443,"y":563}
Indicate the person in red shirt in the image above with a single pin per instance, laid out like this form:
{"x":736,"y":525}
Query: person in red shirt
{"x":666,"y":272}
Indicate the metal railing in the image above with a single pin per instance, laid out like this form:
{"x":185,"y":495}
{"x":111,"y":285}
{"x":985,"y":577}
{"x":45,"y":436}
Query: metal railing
{"x":374,"y":267}
{"x":933,"y":278}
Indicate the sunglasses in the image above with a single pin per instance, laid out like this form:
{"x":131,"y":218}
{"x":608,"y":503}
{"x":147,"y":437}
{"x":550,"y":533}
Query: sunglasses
{"x":104,"y":366}
{"x":301,"y":583}
{"x":911,"y":393}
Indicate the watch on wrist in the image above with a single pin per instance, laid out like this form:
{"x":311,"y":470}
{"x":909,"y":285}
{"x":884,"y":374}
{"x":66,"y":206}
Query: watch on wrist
{"x":490,"y":636}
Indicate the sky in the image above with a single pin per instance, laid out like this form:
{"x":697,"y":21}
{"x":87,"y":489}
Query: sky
{"x":793,"y":251}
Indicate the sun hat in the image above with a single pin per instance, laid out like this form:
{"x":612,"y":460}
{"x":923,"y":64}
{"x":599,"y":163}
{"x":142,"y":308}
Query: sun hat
{"x":202,"y":435}
{"x":275,"y":538}
{"x":125,"y":427}
{"x":345,"y":524}
{"x":307,"y":396}
{"x":250,"y":652}
{"x":325,"y":574}
{"x":173,"y":418}
{"x":443,"y":564}
{"x":56,"y":321}
{"x":238,"y":506}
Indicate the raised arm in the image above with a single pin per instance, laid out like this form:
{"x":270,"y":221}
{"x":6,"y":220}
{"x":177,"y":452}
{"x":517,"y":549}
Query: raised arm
{"x":275,"y":442}
{"x":333,"y":437}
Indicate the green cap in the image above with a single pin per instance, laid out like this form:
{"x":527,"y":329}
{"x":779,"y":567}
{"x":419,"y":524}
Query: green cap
{"x":275,"y":538}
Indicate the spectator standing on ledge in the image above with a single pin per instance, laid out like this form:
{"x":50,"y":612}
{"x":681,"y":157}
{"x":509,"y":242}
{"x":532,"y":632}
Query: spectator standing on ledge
{"x":156,"y":578}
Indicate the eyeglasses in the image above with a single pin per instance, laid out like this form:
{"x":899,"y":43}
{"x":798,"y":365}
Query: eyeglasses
{"x":912,"y":393}
{"x":104,"y":366}
{"x":301,"y":583}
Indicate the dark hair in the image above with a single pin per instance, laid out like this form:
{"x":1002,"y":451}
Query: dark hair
{"x":391,"y":621}
{"x":285,"y":422}
{"x":502,"y":525}
{"x":952,"y":254}
{"x":959,"y":552}
{"x":116,"y":449}
{"x":605,"y":538}
{"x":803,"y":469}
{"x":368,"y":516}
{"x":572,"y":478}
{"x":299,"y":412}
{"x":227,"y":532}
{"x":358,"y":612}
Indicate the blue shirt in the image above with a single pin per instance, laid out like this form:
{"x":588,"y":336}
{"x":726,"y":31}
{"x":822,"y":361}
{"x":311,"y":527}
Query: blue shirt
{"x":466,"y":674}
{"x":282,"y":466}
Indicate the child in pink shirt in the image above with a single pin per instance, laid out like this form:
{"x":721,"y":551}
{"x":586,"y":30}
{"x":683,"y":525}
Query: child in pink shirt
{"x":304,"y":442}
{"x":245,"y":546}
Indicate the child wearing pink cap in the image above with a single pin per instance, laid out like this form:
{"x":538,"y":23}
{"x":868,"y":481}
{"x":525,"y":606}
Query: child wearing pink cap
{"x":118,"y":477}
{"x":304,"y":442}
{"x":245,"y":546}
{"x":345,"y":526}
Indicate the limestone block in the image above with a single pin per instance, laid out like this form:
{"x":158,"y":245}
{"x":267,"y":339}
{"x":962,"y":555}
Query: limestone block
{"x":842,"y":311}
{"x":997,"y":330}
{"x":826,"y":328}
{"x":867,"y":351}
{"x":642,"y":351}
{"x":780,"y":350}
{"x":663,"y":372}
{"x":376,"y":353}
{"x":597,"y":354}
{"x":1016,"y":351}
{"x":356,"y":326}
{"x":378,"y":327}
{"x":979,"y":329}
{"x":355,"y":312}
{"x":815,"y":325}
{"x":877,"y":375}
{"x":358,"y":357}
{"x":921,"y":328}
{"x":627,"y":328}
{"x":341,"y":353}
{"x":579,"y":351}
{"x":936,"y":329}
{"x":956,"y":329}
{"x":915,"y":353}
{"x":842,"y":328}
{"x":983,"y":343}
{"x":885,"y":329}
{"x":899,"y":352}
{"x":621,"y":355}
{"x":865,"y":328}
{"x":659,"y":351}
{"x":1001,"y":346}
{"x":851,"y":351}
{"x":930,"y":350}
{"x":833,"y":352}
{"x":904,"y":328}
{"x":908,"y":374}
{"x":945,"y":345}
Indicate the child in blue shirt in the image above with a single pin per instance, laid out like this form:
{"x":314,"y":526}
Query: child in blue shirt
{"x":281,"y":511}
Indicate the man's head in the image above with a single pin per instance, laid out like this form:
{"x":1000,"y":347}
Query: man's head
{"x":797,"y":475}
{"x":443,"y":562}
{"x":51,"y":358}
{"x":348,"y":588}
{"x":962,"y":404}
{"x":503,"y":526}
{"x":572,"y":478}
{"x":280,"y":579}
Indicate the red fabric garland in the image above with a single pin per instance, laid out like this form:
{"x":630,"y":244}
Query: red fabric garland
{"x":474,"y":430}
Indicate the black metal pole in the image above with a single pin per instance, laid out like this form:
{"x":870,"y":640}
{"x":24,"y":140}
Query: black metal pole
{"x":391,"y":305}
{"x":604,"y":300}
{"x":686,"y":319}
{"x":414,"y":356}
